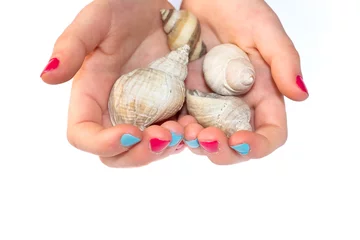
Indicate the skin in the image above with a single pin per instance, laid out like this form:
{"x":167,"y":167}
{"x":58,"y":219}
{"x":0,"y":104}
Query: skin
{"x":255,"y":28}
{"x":105,"y":40}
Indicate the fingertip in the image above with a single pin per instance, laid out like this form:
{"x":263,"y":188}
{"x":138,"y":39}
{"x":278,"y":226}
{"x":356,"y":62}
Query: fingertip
{"x":159,"y":132}
{"x":93,"y":138}
{"x":63,"y":64}
{"x":158,"y":138}
{"x":301,"y":84}
{"x":186,"y":120}
{"x":286,"y":71}
{"x":211,"y":138}
{"x":214,"y":142}
{"x":79,"y":39}
{"x":192,"y":130}
{"x":242,"y":142}
{"x":211,"y":133}
{"x":176,"y":131}
{"x":191,"y":138}
{"x":253,"y":145}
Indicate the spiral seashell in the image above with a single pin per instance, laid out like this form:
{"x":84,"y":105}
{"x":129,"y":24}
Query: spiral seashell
{"x":228,"y":113}
{"x":148,"y":95}
{"x":182,"y":27}
{"x":228,"y":70}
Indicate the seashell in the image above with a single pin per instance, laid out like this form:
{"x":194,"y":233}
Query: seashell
{"x":228,"y":70}
{"x":182,"y":27}
{"x":228,"y":113}
{"x":148,"y":95}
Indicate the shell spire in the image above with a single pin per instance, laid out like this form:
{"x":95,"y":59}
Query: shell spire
{"x":174,"y":63}
{"x":228,"y":70}
{"x":182,"y":27}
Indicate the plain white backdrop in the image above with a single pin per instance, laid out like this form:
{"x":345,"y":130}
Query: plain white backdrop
{"x":308,"y":189}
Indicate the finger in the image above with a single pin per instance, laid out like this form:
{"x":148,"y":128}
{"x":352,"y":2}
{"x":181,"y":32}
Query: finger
{"x":279,"y":52}
{"x":177,"y":136}
{"x":270,"y":133}
{"x":80,"y":38}
{"x":181,"y":147}
{"x":215,"y":146}
{"x":89,"y":129}
{"x":94,"y":138}
{"x":186,"y":120}
{"x":190,"y":138}
{"x":154,"y":142}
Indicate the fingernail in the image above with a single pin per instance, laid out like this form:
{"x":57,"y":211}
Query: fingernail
{"x":158,"y":145}
{"x":175,"y":139}
{"x":192,"y":143}
{"x":301,"y":84}
{"x":210,"y":146}
{"x":52,"y":65}
{"x":243,"y":148}
{"x":180,"y":146}
{"x":128,"y":140}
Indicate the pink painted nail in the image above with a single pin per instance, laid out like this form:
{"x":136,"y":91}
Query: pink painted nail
{"x":211,"y":146}
{"x":158,"y":145}
{"x":181,"y":145}
{"x":301,"y":84}
{"x":52,"y":65}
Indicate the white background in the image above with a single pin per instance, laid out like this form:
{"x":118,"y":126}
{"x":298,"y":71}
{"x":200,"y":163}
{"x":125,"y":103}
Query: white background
{"x":308,"y":189}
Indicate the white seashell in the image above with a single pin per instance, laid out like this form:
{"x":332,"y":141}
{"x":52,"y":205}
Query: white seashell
{"x":182,"y":27}
{"x":228,"y":113}
{"x":228,"y":70}
{"x":148,"y":95}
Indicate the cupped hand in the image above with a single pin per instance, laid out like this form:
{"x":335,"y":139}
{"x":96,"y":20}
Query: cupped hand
{"x":255,"y":28}
{"x":109,"y":38}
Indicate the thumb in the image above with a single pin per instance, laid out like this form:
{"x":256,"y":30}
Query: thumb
{"x":279,"y":52}
{"x":80,"y":38}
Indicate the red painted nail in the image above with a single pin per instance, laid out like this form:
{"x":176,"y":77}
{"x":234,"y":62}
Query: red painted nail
{"x":52,"y":65}
{"x":210,"y":147}
{"x":301,"y":84}
{"x":158,"y":145}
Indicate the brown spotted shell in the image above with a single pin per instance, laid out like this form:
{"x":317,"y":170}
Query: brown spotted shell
{"x":182,"y":27}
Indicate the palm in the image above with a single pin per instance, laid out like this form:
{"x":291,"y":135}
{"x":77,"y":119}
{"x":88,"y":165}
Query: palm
{"x":108,"y":39}
{"x":262,"y":93}
{"x":122,"y":51}
{"x":112,"y":37}
{"x":243,"y":25}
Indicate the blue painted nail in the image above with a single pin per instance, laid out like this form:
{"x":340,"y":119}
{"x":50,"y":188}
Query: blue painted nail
{"x":127,"y":140}
{"x":193,"y":143}
{"x":243,"y":148}
{"x":175,"y":139}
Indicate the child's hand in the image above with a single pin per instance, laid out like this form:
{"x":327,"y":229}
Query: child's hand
{"x":107,"y":39}
{"x":255,"y":28}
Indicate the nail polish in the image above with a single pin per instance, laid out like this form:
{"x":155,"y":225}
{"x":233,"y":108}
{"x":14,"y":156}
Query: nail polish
{"x":192,"y":143}
{"x":180,"y":146}
{"x":158,"y":145}
{"x":175,"y":139}
{"x":242,"y":149}
{"x":301,"y":84}
{"x":128,"y":140}
{"x":210,"y":146}
{"x":52,"y":65}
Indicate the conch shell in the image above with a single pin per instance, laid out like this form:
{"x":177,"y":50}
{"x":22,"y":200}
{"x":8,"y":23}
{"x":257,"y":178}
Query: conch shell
{"x":148,"y":95}
{"x":182,"y":27}
{"x":228,"y":113}
{"x":228,"y":70}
